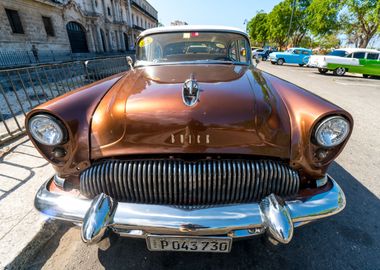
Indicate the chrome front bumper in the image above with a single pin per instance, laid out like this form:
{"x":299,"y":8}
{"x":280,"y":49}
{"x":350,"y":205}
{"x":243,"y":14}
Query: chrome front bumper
{"x":272,"y":215}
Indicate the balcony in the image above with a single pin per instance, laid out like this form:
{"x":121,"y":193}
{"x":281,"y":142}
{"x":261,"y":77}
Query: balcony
{"x":136,"y":5}
{"x":91,"y":14}
{"x":136,"y":27}
{"x":54,"y":3}
{"x":120,"y":21}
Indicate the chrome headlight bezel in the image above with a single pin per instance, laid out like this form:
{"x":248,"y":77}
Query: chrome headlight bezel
{"x":318,"y":137}
{"x":55,"y":124}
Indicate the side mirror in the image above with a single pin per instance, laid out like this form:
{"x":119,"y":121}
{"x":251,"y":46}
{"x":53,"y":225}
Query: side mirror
{"x":130,"y":62}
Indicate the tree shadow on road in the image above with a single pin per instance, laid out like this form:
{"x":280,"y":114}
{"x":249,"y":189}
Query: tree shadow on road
{"x":18,"y":164}
{"x":350,"y":240}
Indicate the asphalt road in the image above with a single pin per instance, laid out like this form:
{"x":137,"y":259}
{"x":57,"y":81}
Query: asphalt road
{"x":350,"y":240}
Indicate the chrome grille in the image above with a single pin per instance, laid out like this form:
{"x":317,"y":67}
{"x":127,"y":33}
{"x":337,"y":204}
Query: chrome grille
{"x":179,"y":182}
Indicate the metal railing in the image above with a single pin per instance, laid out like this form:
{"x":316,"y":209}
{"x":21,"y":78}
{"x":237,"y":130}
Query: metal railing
{"x":19,"y":58}
{"x":22,"y":89}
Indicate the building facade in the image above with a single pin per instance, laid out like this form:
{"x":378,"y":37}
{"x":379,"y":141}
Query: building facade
{"x":143,"y":16}
{"x":79,"y":25}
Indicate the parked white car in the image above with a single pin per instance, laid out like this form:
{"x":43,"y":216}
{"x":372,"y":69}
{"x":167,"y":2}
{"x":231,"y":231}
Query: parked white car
{"x":362,"y":61}
{"x":315,"y":59}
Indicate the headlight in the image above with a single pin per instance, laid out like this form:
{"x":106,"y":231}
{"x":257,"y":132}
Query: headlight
{"x":46,"y":129}
{"x":332,"y":131}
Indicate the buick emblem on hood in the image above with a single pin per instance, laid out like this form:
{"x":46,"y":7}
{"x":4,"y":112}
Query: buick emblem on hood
{"x":190,"y":92}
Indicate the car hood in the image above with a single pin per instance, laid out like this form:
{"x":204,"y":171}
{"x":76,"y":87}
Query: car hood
{"x":314,"y":59}
{"x":334,"y":57}
{"x":237,"y":113}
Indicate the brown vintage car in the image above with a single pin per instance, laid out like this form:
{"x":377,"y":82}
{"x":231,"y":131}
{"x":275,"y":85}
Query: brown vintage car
{"x":192,"y":148}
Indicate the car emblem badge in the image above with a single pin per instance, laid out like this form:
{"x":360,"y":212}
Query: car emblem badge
{"x":190,"y":92}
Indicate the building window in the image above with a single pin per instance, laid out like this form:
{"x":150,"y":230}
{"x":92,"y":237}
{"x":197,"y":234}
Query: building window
{"x":48,"y":26}
{"x":96,"y":3}
{"x":14,"y":21}
{"x":109,"y":11}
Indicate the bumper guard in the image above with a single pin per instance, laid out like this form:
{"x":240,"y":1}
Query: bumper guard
{"x":272,"y":215}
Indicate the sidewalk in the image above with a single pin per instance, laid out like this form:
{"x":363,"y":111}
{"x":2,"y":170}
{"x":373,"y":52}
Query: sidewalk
{"x":22,"y":172}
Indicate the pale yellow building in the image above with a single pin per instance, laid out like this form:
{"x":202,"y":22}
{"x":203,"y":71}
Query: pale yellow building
{"x":77,"y":25}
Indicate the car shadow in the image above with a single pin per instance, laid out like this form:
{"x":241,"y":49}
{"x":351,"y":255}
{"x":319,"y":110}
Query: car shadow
{"x":349,"y":240}
{"x":290,"y":65}
{"x":354,"y":76}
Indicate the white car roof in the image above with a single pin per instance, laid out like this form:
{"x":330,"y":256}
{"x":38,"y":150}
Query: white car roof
{"x":351,"y":50}
{"x":191,"y":28}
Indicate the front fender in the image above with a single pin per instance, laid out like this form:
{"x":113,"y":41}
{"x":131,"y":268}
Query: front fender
{"x":305,"y":110}
{"x":75,"y":110}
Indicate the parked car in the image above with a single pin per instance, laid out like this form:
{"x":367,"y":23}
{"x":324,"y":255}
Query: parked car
{"x":361,"y":61}
{"x":314,"y":59}
{"x":261,"y":54}
{"x":190,"y":151}
{"x":298,"y":56}
{"x":255,"y":48}
{"x":256,"y":52}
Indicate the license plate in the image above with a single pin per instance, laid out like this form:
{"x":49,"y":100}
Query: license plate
{"x":189,"y":244}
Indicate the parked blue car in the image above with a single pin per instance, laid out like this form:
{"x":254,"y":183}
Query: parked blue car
{"x":298,"y":56}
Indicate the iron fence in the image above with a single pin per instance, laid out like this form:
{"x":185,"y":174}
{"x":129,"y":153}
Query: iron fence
{"x":22,"y":89}
{"x":18,"y":58}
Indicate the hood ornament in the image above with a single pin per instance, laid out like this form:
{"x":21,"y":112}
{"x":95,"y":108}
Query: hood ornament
{"x":190,"y":92}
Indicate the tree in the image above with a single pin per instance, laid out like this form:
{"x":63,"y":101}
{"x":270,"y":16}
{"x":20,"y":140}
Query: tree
{"x":326,"y":42}
{"x":322,"y":16}
{"x":330,"y":41}
{"x":278,"y":20}
{"x":257,"y":28}
{"x":361,"y":21}
{"x":300,"y":22}
{"x":288,"y":19}
{"x":295,"y":20}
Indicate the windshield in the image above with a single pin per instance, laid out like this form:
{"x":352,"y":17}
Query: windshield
{"x":338,"y":53}
{"x":193,"y":47}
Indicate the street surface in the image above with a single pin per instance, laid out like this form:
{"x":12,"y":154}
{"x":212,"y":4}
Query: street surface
{"x":22,"y":172}
{"x":350,"y":240}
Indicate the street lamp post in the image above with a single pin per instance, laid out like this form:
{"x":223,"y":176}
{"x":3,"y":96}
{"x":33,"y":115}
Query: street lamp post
{"x":291,"y":21}
{"x":245,"y":23}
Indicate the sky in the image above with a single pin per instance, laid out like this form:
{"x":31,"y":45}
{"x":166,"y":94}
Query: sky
{"x":215,"y":12}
